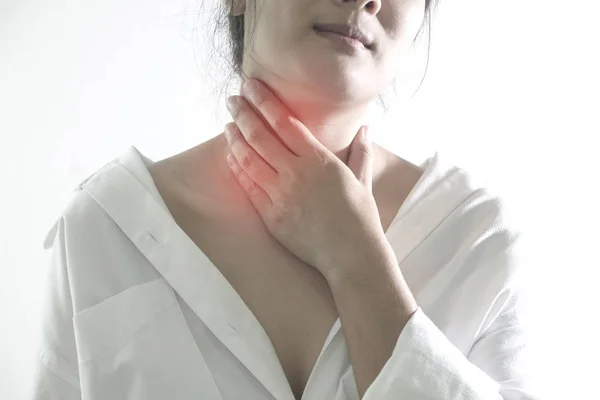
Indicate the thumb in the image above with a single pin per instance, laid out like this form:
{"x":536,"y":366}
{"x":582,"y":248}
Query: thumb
{"x":360,"y":160}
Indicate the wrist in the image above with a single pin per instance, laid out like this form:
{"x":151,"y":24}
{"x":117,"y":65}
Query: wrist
{"x":378,"y":259}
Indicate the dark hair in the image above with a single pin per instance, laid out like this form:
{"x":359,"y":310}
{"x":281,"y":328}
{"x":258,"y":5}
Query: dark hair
{"x":235,"y":37}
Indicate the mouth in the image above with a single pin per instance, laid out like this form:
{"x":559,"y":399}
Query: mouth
{"x":350,"y":34}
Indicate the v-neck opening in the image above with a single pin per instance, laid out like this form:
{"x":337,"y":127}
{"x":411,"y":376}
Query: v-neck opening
{"x":402,"y":212}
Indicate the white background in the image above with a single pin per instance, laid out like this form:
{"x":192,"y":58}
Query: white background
{"x":512,"y":94}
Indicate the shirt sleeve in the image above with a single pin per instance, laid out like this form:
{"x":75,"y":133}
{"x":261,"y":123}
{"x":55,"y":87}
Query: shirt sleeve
{"x":426,"y":365}
{"x":56,"y":373}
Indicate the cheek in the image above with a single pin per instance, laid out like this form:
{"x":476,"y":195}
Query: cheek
{"x":271,"y":43}
{"x":402,"y":20}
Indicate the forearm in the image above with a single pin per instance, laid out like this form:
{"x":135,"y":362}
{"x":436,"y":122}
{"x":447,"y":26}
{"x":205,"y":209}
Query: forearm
{"x":374,"y":304}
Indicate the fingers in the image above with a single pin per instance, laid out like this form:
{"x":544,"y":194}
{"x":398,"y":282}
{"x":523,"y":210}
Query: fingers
{"x":258,"y":135}
{"x":297,"y":137}
{"x":258,"y":197}
{"x":252,"y":164}
{"x":360,"y":160}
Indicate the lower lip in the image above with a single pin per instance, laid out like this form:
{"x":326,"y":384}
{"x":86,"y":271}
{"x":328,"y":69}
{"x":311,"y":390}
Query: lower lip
{"x":342,"y":40}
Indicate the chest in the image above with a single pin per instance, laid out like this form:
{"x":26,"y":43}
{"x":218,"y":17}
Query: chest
{"x":290,"y":299}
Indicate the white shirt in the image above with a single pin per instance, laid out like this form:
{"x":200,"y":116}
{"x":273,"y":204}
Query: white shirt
{"x":135,"y":310}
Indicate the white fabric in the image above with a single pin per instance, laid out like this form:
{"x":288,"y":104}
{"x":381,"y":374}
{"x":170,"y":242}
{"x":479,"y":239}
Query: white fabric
{"x":134,"y":310}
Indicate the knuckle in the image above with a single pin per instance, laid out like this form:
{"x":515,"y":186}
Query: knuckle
{"x":251,"y":186}
{"x":365,"y":148}
{"x":254,"y":171}
{"x":278,"y":216}
{"x":246,"y":161}
{"x":284,"y":217}
{"x":231,"y":126}
{"x":239,"y":112}
{"x":285,"y":174}
{"x":259,"y":98}
{"x":253,"y":136}
{"x":282,"y":123}
{"x":278,"y":219}
{"x":243,"y":117}
{"x":320,"y":160}
{"x":232,"y":130}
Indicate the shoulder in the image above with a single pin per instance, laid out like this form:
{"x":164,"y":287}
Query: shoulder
{"x":80,"y":206}
{"x":98,"y":235}
{"x":471,"y":226}
{"x":487,"y":231}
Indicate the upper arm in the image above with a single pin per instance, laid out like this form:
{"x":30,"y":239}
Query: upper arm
{"x":56,"y":367}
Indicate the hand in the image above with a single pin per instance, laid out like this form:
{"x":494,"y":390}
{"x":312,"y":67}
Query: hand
{"x":317,"y":207}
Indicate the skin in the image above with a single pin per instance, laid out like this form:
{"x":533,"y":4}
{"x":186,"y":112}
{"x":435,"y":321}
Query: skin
{"x":332,"y":93}
{"x":323,"y":212}
{"x":328,"y":96}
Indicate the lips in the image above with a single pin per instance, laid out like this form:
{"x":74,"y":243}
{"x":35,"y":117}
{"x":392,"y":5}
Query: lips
{"x":347,"y":30}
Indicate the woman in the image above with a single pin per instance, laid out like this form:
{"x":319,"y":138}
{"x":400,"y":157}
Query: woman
{"x":314,"y":265}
